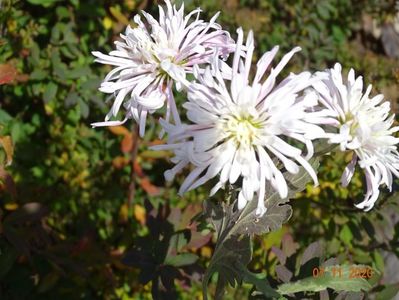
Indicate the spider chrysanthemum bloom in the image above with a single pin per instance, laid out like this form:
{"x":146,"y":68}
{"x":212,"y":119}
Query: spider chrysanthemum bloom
{"x":240,"y":128}
{"x":155,"y":54}
{"x":364,"y":127}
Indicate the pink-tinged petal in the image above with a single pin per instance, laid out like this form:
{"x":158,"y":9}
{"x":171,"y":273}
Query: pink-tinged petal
{"x":270,"y":81}
{"x":372,"y":191}
{"x":264,"y":63}
{"x":190,"y":179}
{"x":250,"y":49}
{"x":108,"y":123}
{"x":111,"y":60}
{"x":237,"y":54}
{"x":118,"y":101}
{"x":170,"y":174}
{"x":172,"y":104}
{"x":348,"y":172}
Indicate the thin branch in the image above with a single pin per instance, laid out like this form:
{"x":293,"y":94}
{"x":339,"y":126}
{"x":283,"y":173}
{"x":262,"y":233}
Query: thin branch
{"x":133,"y":155}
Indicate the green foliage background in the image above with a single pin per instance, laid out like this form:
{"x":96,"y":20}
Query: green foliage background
{"x":73,"y":226}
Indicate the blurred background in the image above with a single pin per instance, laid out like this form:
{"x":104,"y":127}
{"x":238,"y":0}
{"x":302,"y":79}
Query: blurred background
{"x":86,"y":214}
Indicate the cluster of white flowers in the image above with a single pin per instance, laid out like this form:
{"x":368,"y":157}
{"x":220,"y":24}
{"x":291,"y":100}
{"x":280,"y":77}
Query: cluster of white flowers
{"x":153,"y":56}
{"x":364,"y":127}
{"x":244,"y":129}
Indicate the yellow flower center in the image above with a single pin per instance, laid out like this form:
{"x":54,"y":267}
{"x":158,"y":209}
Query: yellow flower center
{"x":242,"y":129}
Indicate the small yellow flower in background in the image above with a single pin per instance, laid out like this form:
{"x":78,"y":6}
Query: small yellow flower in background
{"x":107,"y":23}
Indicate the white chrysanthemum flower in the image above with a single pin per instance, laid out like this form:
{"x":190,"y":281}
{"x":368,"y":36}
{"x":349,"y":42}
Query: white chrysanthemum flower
{"x":240,"y":128}
{"x":364,"y":127}
{"x":154,"y":55}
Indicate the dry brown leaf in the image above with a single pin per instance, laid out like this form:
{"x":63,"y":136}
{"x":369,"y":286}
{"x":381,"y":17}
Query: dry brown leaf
{"x":22,"y":77}
{"x":156,"y":142}
{"x":119,"y":130}
{"x":127,"y":143}
{"x":8,"y":147}
{"x":147,"y":186}
{"x":8,"y":73}
{"x":143,"y":5}
{"x":231,"y":4}
{"x":25,"y":52}
{"x":137,"y":169}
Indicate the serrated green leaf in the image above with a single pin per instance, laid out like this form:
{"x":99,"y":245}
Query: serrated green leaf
{"x":216,"y":215}
{"x":67,"y":53}
{"x":322,"y":148}
{"x":346,"y":235}
{"x":71,"y":99}
{"x":226,"y":261}
{"x":91,"y":84}
{"x":56,"y":33}
{"x":277,"y":211}
{"x":4,"y":117}
{"x":260,"y":282}
{"x":335,"y":281}
{"x":60,"y":70}
{"x":233,"y":225}
{"x":50,"y":92}
{"x":78,"y":72}
{"x":84,"y":108}
{"x":379,"y":261}
{"x":322,"y":10}
{"x":38,"y":74}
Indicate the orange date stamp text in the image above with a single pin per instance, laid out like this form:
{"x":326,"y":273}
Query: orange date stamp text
{"x":343,"y":272}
